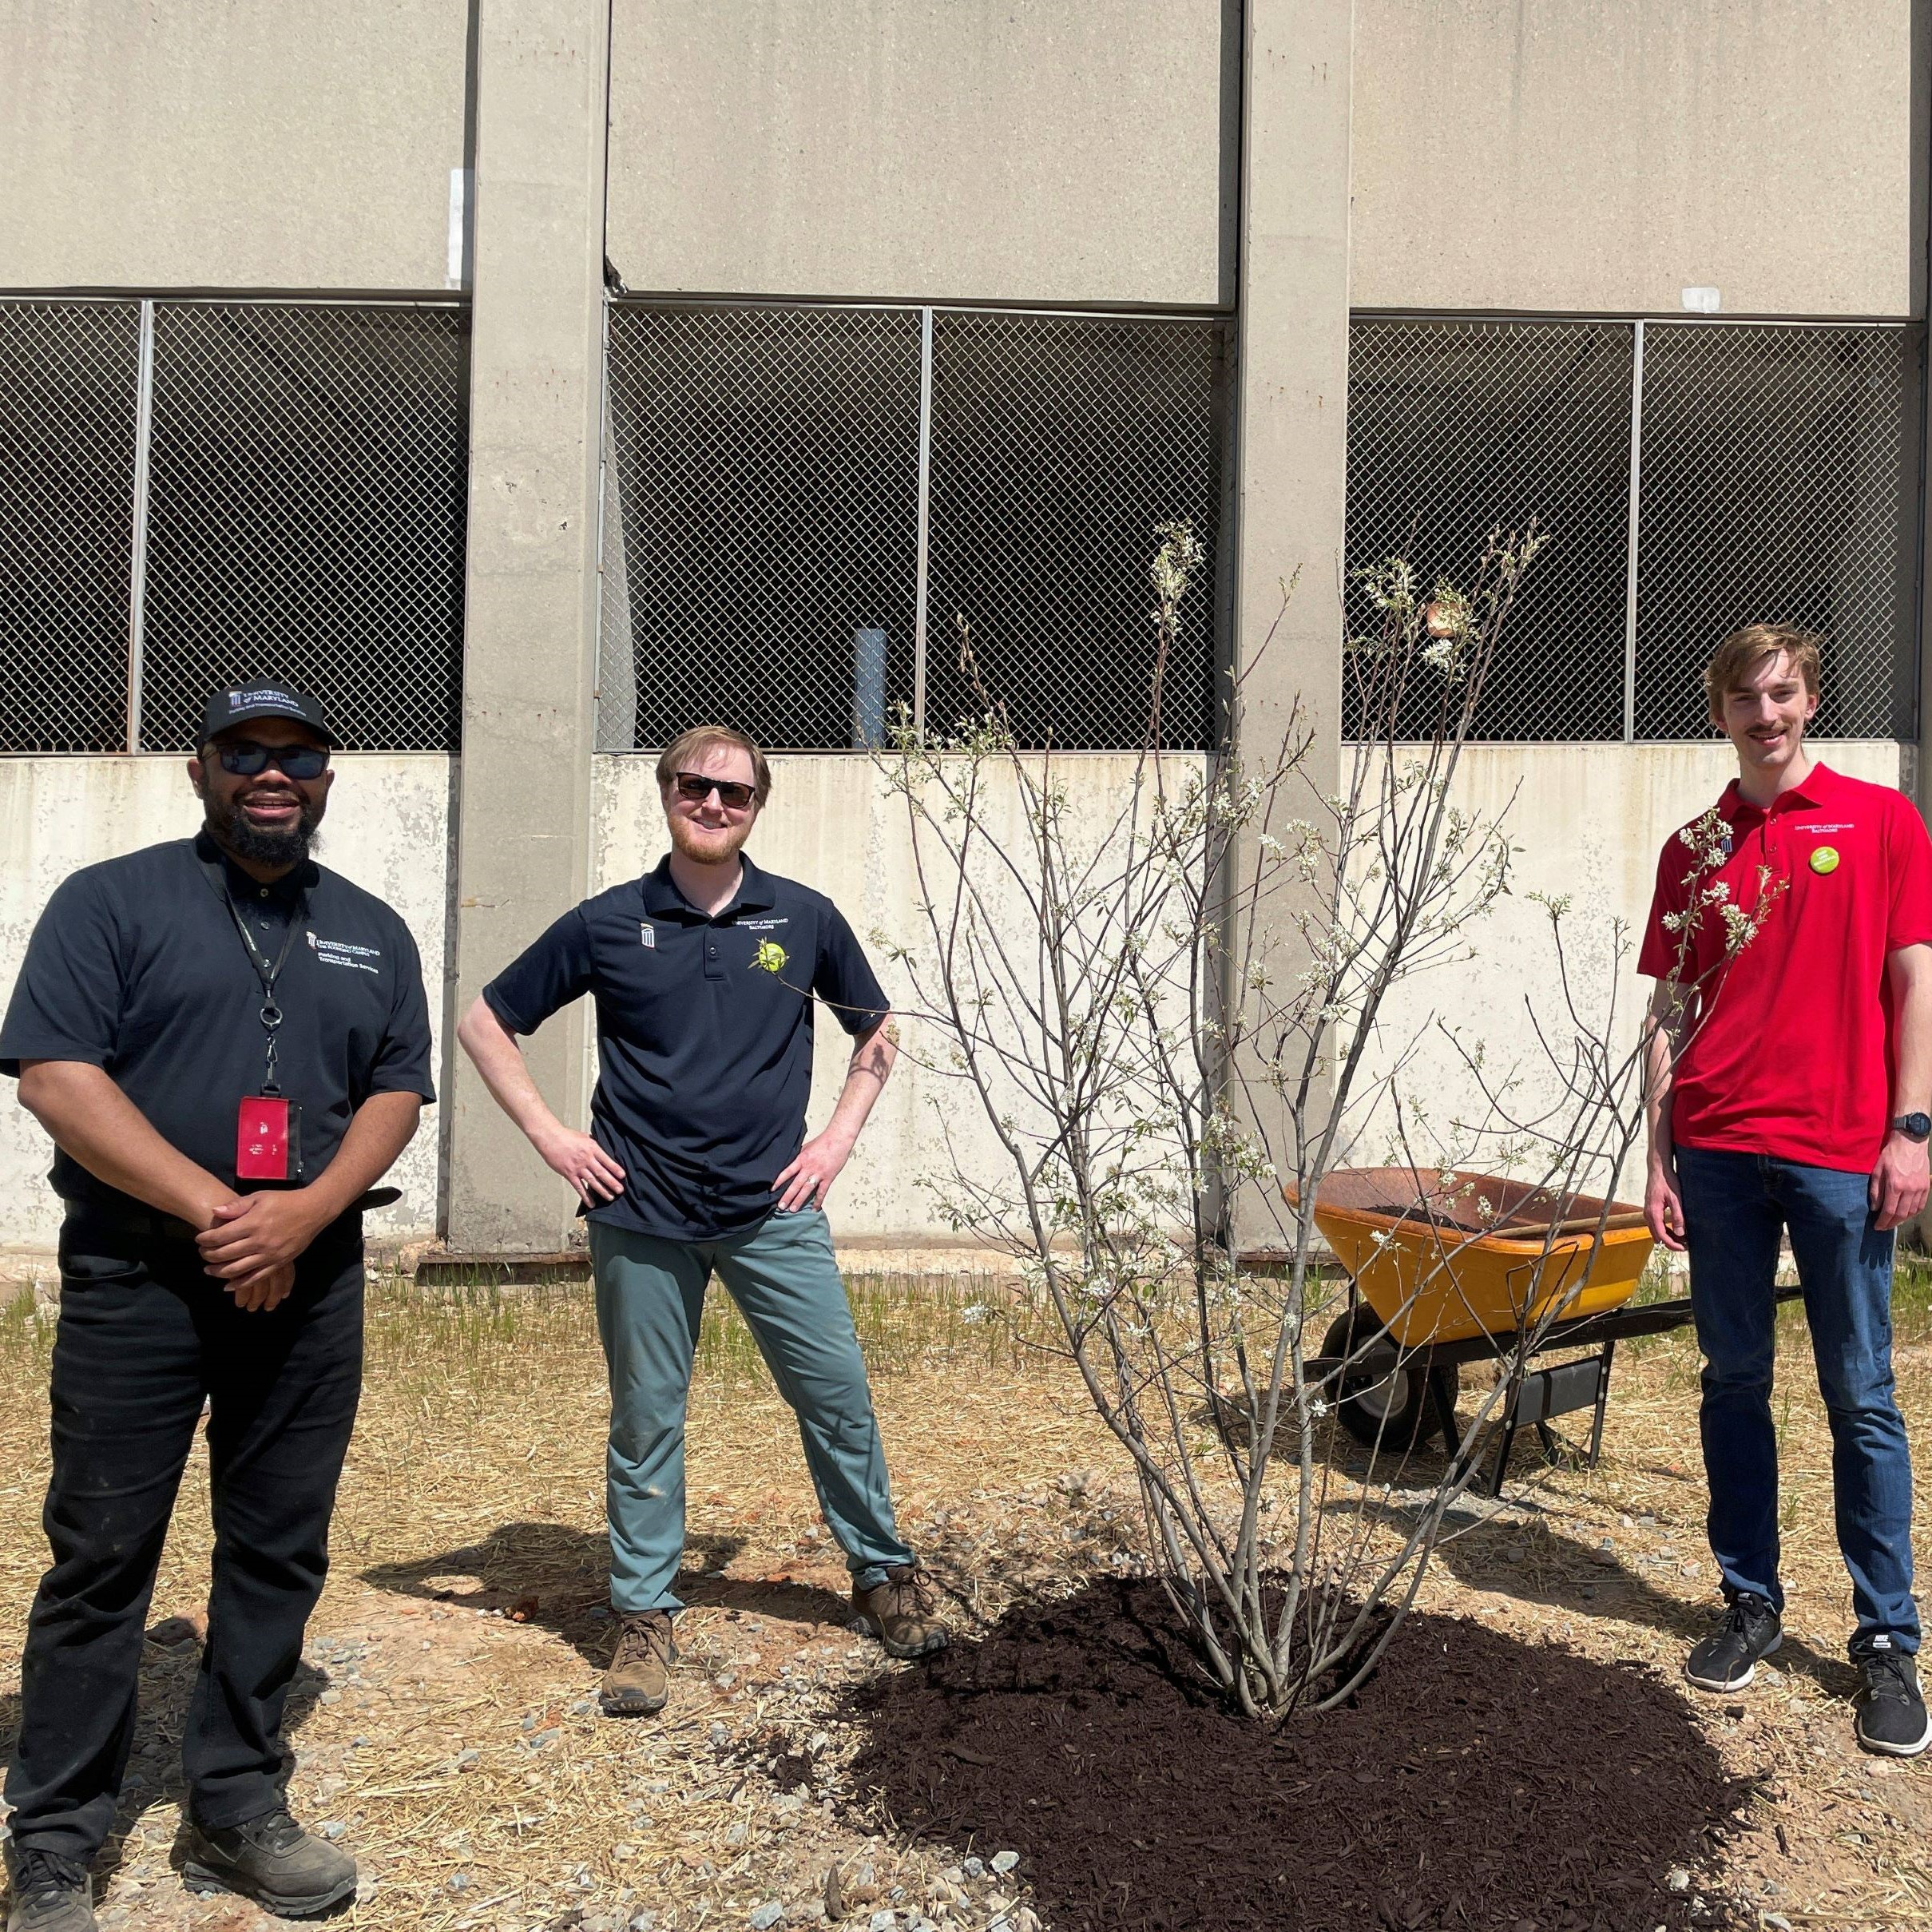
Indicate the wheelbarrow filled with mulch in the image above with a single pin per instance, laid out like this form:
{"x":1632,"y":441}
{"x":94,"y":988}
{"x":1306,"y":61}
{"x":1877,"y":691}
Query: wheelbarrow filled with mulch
{"x":1446,"y":1268}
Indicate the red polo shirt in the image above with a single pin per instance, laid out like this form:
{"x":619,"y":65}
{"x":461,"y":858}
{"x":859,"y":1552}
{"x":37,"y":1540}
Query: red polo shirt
{"x":1793,"y":1053}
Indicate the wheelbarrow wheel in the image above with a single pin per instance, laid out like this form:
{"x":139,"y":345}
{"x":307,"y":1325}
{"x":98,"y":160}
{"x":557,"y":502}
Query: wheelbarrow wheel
{"x":1383,"y":1402}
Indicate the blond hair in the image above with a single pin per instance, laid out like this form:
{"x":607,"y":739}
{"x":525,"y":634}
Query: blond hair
{"x":688,"y":750}
{"x":1741,"y":655}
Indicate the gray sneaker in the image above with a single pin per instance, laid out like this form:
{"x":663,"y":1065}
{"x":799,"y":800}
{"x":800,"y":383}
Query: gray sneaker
{"x":51,"y":1893}
{"x":271,"y":1860}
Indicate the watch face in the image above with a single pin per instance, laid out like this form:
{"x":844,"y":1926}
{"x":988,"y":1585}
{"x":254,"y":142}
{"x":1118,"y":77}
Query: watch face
{"x":1918,"y":1125}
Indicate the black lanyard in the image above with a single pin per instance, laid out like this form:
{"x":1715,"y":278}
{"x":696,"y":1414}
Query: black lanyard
{"x":265,"y":971}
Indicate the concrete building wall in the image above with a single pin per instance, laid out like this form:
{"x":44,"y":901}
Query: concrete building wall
{"x":387,"y":830}
{"x":833,"y":824}
{"x":229,"y":144}
{"x":1022,"y":150}
{"x":1590,"y":821}
{"x":1594,"y":155}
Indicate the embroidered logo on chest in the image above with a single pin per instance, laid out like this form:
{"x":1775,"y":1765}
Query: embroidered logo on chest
{"x":340,"y":953}
{"x":647,"y":933}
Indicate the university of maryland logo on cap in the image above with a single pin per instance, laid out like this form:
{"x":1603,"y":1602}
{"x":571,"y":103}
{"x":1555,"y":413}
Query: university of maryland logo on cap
{"x":254,"y":700}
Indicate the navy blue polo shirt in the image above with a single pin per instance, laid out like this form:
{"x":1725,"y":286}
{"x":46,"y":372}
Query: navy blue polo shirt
{"x":705,"y":1033}
{"x":135,"y":967}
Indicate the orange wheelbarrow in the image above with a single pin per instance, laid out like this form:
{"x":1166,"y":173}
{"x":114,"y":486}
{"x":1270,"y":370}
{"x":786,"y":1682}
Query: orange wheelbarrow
{"x":1447,"y":1268}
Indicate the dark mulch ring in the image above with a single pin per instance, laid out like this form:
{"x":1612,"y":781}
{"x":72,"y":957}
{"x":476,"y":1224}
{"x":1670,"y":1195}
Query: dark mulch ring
{"x":1474,"y":1782}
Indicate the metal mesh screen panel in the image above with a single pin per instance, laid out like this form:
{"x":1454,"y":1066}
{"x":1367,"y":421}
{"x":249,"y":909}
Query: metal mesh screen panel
{"x":765,"y":466}
{"x":1455,"y":427}
{"x":68,"y":384}
{"x":1058,"y":443}
{"x":1779,"y":485}
{"x":307,"y":510}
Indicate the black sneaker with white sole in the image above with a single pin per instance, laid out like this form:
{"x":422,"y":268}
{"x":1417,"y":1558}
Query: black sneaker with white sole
{"x":1727,"y":1659}
{"x":1891,"y":1716}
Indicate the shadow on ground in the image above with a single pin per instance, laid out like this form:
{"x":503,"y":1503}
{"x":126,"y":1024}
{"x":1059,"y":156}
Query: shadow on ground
{"x":154,"y":1766}
{"x":1474,"y":1782}
{"x":558,"y":1579}
{"x":1523,"y":1552}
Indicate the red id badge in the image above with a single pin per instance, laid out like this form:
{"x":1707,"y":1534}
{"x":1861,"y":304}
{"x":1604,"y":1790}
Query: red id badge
{"x":266,"y":1139}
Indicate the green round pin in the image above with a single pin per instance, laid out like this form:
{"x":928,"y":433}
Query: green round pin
{"x":1825,"y":859}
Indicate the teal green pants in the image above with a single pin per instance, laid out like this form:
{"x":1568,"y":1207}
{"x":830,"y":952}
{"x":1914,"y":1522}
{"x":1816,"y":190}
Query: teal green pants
{"x":650,"y":1300}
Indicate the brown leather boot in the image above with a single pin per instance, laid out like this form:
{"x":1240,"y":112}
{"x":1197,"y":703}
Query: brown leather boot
{"x":899,"y":1612}
{"x":639,"y":1680}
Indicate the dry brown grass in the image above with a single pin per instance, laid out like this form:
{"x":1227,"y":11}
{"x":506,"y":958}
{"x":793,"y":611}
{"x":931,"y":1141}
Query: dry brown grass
{"x":462,"y":1625}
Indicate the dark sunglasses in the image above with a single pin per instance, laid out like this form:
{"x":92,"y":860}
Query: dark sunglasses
{"x":301,"y":762}
{"x":697,"y":787}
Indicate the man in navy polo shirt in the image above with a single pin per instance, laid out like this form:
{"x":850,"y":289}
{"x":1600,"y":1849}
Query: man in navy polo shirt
{"x":1789,"y":1063}
{"x":705,"y":972}
{"x":228,"y":1046}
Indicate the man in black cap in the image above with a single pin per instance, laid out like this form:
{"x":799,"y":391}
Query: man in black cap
{"x":229,"y":1046}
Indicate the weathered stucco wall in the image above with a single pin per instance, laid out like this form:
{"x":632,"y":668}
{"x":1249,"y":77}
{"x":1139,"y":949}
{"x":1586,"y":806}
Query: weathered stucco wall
{"x":1590,"y":821}
{"x":387,"y":829}
{"x":1022,"y":150}
{"x":833,"y":824}
{"x":229,"y":144}
{"x":1571,"y":155}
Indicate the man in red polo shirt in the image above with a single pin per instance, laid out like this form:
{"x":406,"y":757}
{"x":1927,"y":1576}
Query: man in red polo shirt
{"x":1790,"y":1068}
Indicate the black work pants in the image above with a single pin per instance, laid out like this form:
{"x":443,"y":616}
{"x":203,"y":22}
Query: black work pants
{"x":145,"y":1336}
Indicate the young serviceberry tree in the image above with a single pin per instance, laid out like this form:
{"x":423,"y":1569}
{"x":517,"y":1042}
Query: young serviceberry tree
{"x":1174,"y":1011}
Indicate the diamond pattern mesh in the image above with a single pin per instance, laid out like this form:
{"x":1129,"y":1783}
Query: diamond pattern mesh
{"x":760,"y":513}
{"x":307,"y":515}
{"x":1776,"y":480}
{"x":1454,"y":427}
{"x":1058,"y":444}
{"x":761,"y":519}
{"x":1779,"y":485}
{"x":69,"y":373}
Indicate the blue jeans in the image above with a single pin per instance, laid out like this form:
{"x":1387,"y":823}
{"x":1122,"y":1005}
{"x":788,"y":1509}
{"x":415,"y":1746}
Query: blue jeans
{"x":650,"y":1296}
{"x":1735,"y":1207}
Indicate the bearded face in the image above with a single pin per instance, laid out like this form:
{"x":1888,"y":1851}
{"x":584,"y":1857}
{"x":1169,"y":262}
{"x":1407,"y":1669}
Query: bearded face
{"x":705,"y":829}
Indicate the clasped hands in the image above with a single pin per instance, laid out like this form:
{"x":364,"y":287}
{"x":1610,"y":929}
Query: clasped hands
{"x":251,"y":1243}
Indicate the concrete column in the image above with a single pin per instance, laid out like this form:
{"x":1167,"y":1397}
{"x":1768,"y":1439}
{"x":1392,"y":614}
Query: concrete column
{"x":523,"y":847}
{"x":1292,"y":412}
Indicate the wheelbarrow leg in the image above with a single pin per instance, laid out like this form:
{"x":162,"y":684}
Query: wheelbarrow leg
{"x":1603,"y":1403}
{"x":1505,"y":1441}
{"x":1442,"y":1392}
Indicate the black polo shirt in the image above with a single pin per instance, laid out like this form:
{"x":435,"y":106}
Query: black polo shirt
{"x":705,"y":1033}
{"x":135,"y":967}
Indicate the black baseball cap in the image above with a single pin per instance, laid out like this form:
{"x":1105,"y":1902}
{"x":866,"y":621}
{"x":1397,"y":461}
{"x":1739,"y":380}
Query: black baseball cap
{"x":243,"y":704}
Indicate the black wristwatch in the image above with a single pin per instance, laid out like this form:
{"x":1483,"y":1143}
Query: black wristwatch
{"x":1914,"y":1126}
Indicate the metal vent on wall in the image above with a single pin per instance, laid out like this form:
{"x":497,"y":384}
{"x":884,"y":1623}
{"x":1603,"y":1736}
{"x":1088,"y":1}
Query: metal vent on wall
{"x":800,"y":501}
{"x":1692,"y":477}
{"x":197,"y":491}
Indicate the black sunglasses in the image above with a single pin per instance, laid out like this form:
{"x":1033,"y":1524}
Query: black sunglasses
{"x":300,"y":762}
{"x":696,"y":787}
